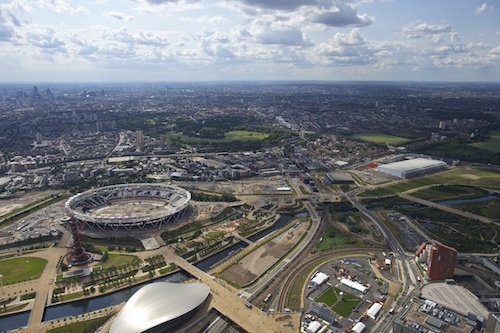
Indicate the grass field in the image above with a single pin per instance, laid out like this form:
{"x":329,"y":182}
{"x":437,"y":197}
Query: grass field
{"x":380,"y":138}
{"x":228,"y":137}
{"x":86,"y":326}
{"x":334,"y":238}
{"x":342,"y":307}
{"x":492,"y":144}
{"x":449,"y":192}
{"x":471,"y":177}
{"x":118,"y":260}
{"x":21,"y":269}
{"x":490,"y":208}
{"x":244,"y":136}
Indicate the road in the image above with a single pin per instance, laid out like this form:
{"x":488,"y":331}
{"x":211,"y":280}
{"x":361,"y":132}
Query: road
{"x":408,"y":269}
{"x":263,"y":281}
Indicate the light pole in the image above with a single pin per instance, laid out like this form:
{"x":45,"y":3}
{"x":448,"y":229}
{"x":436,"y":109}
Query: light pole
{"x":1,"y":282}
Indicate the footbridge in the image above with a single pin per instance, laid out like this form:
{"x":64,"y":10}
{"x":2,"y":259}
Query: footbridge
{"x":227,"y":302}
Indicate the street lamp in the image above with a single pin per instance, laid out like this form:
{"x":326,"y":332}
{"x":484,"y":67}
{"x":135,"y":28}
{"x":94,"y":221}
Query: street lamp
{"x":1,"y":282}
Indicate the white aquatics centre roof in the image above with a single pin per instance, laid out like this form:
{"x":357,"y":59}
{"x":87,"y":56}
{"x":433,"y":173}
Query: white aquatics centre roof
{"x":158,"y":303}
{"x":412,"y":168}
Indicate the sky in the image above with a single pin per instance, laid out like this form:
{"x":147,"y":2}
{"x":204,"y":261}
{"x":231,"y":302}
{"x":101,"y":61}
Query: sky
{"x":214,"y":40}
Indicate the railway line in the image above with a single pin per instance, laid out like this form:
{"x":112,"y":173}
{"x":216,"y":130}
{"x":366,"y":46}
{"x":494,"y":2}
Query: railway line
{"x":291,"y":277}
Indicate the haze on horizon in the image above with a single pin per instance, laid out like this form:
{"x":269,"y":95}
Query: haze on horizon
{"x":211,"y":40}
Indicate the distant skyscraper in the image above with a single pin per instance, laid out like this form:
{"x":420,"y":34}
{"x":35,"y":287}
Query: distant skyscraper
{"x":98,"y":126}
{"x":162,"y":143}
{"x":139,"y":137}
{"x":442,"y":125}
{"x":50,"y":95}
{"x":36,"y":94}
{"x":38,"y":138}
{"x":168,"y":144}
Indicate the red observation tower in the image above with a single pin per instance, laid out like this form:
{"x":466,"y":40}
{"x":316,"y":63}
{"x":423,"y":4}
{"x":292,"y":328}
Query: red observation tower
{"x":76,"y":253}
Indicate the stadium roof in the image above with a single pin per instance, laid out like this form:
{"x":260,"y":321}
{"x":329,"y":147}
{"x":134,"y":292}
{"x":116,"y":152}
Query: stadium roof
{"x":158,"y":303}
{"x":416,"y":163}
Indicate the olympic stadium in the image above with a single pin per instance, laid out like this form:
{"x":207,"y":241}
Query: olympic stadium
{"x":128,"y":206}
{"x":160,"y":307}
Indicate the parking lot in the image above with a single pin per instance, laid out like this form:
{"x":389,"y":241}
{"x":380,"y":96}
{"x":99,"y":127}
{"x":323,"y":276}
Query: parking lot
{"x":349,"y":304}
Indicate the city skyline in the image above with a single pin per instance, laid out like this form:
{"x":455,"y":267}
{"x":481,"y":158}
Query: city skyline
{"x":207,"y":40}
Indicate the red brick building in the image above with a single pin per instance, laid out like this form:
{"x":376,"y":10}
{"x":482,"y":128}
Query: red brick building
{"x":439,"y":258}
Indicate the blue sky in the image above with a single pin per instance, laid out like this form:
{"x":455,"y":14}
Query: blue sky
{"x":198,"y":40}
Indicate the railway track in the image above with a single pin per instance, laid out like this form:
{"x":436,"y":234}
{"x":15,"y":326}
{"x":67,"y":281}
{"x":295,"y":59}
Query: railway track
{"x":291,"y":277}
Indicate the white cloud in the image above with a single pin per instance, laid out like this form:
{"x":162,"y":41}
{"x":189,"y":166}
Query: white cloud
{"x":119,"y":16}
{"x":45,"y":39}
{"x":60,"y":6}
{"x":344,"y":15}
{"x":417,"y":30}
{"x":485,"y":8}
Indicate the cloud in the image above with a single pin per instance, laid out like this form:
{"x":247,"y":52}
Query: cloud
{"x":286,"y":5}
{"x":347,"y":49}
{"x":264,"y":33}
{"x":139,"y":37}
{"x":162,"y":2}
{"x":119,"y":16}
{"x":344,"y":15}
{"x":485,"y":8}
{"x":6,"y":31}
{"x":60,"y":6}
{"x":353,"y":38}
{"x":418,"y":30}
{"x":46,"y":40}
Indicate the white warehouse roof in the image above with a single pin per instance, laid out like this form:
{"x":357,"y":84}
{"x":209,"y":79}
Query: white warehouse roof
{"x":358,"y":328}
{"x":413,"y":167}
{"x":313,"y":327}
{"x":354,"y":285}
{"x":319,"y":279}
{"x":374,"y":310}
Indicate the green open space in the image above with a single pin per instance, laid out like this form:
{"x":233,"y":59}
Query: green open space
{"x":17,"y":270}
{"x":488,"y":208}
{"x":449,"y":192}
{"x":341,"y":306}
{"x":245,"y":135}
{"x":87,"y":326}
{"x":380,"y":138}
{"x":334,"y":238}
{"x":470,"y":177}
{"x":474,"y":177}
{"x":492,"y":144}
{"x":116,"y":260}
{"x":464,"y":234}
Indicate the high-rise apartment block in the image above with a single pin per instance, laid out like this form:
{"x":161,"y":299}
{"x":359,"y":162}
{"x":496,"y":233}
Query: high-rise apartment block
{"x":439,"y":258}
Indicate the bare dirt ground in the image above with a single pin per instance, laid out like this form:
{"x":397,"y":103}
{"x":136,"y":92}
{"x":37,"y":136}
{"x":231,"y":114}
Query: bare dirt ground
{"x":259,"y":261}
{"x":10,"y":205}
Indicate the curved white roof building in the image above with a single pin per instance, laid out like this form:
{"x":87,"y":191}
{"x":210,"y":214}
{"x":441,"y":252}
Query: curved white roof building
{"x":160,"y":306}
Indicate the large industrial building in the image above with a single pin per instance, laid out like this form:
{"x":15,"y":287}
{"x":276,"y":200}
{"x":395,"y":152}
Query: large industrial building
{"x":412,"y":168}
{"x":160,"y":307}
{"x":424,"y":316}
{"x":439,"y":259}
